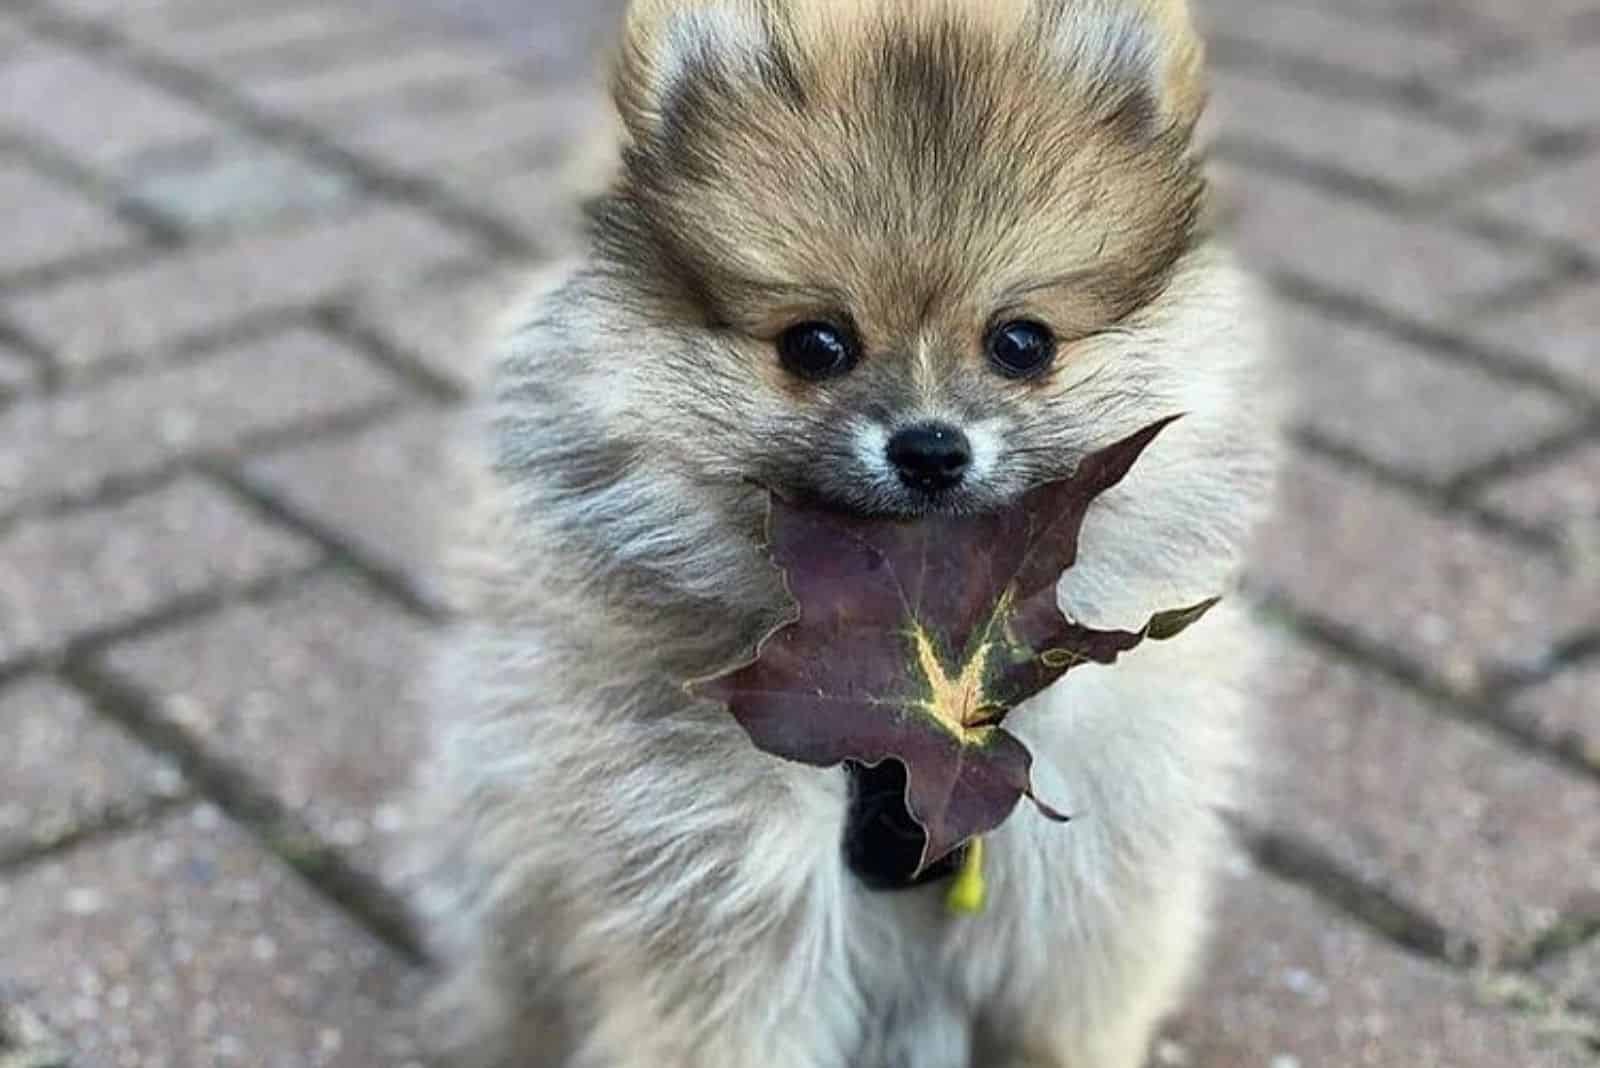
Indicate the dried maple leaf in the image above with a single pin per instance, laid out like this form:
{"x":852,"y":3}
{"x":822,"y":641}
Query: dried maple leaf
{"x":910,"y":640}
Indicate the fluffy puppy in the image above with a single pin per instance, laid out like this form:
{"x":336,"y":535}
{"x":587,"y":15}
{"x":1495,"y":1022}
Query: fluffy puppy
{"x":899,"y":256}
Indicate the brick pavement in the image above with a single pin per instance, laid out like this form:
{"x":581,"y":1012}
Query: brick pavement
{"x":248,"y":249}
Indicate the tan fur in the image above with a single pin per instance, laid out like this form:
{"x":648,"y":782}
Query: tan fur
{"x":617,"y":878}
{"x":818,"y":27}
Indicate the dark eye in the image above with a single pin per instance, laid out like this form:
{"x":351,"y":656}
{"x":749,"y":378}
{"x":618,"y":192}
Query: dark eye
{"x":817,"y":350}
{"x":1021,"y":348}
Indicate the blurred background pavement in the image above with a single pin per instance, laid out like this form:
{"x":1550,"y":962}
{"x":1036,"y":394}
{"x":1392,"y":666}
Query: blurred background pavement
{"x":247,"y":250}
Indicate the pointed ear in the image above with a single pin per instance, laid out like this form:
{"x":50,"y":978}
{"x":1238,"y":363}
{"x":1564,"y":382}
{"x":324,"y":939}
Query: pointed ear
{"x":1180,"y":78}
{"x":1145,"y":53}
{"x":667,"y":42}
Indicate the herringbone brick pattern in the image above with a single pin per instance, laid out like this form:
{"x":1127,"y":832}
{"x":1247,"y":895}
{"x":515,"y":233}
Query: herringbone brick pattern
{"x":248,"y":248}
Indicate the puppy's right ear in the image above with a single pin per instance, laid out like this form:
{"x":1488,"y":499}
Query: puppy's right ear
{"x":668,"y":43}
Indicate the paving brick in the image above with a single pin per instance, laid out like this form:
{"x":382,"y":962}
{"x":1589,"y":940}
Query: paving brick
{"x":1559,"y":334}
{"x":1554,"y":90}
{"x":1559,"y":202}
{"x":17,"y":372}
{"x":1256,"y":31}
{"x":59,"y":223}
{"x":1416,"y":268}
{"x":100,"y":9}
{"x":1364,"y":138}
{"x":236,"y":183}
{"x":236,"y":44}
{"x":138,"y":311}
{"x":64,"y":768}
{"x":266,"y":46}
{"x":1428,"y":415}
{"x":390,"y":492}
{"x":515,"y":133}
{"x":538,"y":204}
{"x":1492,"y":842}
{"x":446,"y":326}
{"x":1562,"y":494}
{"x":186,"y":946}
{"x":1565,"y":709}
{"x":68,"y":444}
{"x":313,"y":692}
{"x":1412,"y":581}
{"x":560,"y":40}
{"x":1551,"y":22}
{"x":378,"y":81}
{"x":91,"y":111}
{"x":64,"y":577}
{"x":1292,"y":985}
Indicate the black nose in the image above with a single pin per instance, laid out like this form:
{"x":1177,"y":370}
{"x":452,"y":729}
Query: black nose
{"x":930,"y":457}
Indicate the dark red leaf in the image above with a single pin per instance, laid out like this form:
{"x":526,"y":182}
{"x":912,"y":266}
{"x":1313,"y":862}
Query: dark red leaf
{"x":911,"y":640}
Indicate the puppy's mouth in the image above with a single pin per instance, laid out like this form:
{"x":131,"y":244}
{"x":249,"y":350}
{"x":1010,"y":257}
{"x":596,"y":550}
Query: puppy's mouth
{"x":904,"y":503}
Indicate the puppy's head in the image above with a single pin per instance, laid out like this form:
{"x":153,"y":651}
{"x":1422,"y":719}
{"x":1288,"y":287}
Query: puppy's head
{"x":897,"y":248}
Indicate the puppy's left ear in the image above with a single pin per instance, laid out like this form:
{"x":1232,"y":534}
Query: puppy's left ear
{"x":668,"y":43}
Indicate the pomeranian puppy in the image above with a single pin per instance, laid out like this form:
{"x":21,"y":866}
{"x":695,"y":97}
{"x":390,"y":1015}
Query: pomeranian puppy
{"x":901,"y":257}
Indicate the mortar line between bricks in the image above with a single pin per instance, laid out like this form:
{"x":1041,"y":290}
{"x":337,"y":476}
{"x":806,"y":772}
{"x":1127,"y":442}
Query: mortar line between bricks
{"x":209,"y":239}
{"x":1411,"y":96}
{"x":80,"y":266}
{"x":1566,"y":146}
{"x":1437,"y":498}
{"x":1485,"y":53}
{"x":208,"y":18}
{"x":51,"y":162}
{"x":1432,"y":202}
{"x":111,"y":262}
{"x":1398,"y":17}
{"x":388,"y":581}
{"x":219,"y":98}
{"x":194,"y":348}
{"x":1483,"y":713}
{"x":36,"y":386}
{"x":1472,"y":482}
{"x":1294,"y":860}
{"x":1432,"y":339}
{"x":1436,"y":205}
{"x":1428,"y":95}
{"x":339,"y":321}
{"x":1565,"y":273}
{"x":1574,"y":652}
{"x":173,"y":612}
{"x":1423,"y":205}
{"x":1245,"y":151}
{"x":1445,"y":199}
{"x":293,"y":57}
{"x":108,"y":824}
{"x":1574,"y":33}
{"x":1562,"y":255}
{"x":28,"y":347}
{"x":250,"y":804}
{"x":112,"y":491}
{"x":1567,"y":935}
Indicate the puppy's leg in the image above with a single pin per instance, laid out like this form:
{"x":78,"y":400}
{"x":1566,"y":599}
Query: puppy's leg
{"x":738,"y":961}
{"x":1112,"y":909}
{"x":652,"y":892}
{"x":1104,"y":1014}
